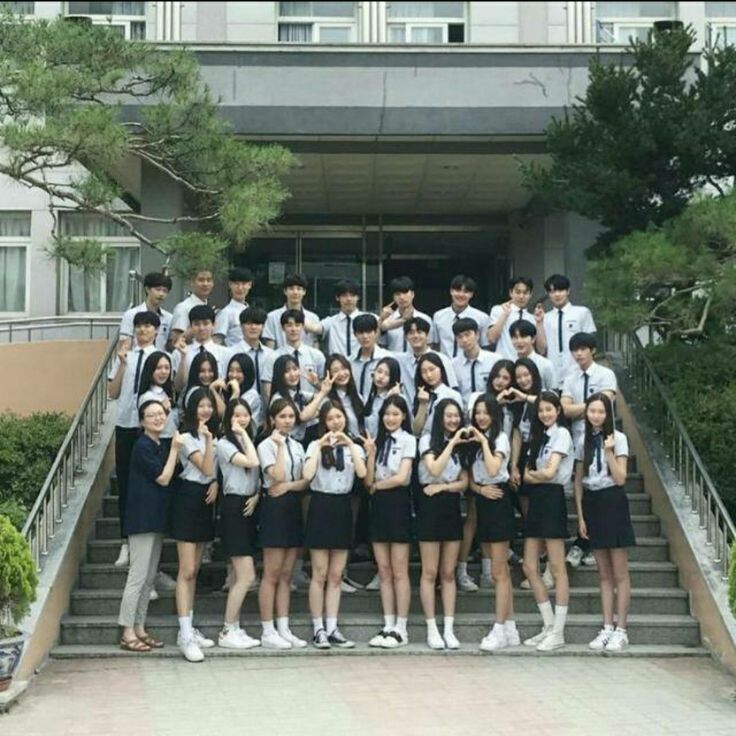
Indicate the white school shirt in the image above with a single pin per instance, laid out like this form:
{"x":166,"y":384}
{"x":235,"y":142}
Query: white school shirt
{"x":156,"y":393}
{"x":524,"y":423}
{"x":235,"y":481}
{"x":472,"y":373}
{"x":504,"y":346}
{"x":127,"y":403}
{"x":450,"y":473}
{"x":363,"y":368}
{"x":594,"y":479}
{"x":408,"y":364}
{"x":506,"y":411}
{"x":478,"y":469}
{"x":190,"y":471}
{"x":444,"y":319}
{"x":403,"y":445}
{"x":256,"y":405}
{"x":300,"y":428}
{"x":227,"y":322}
{"x":395,"y":340}
{"x":261,"y":356}
{"x":559,"y":441}
{"x":180,"y":318}
{"x":310,"y":359}
{"x":600,"y":379}
{"x":353,"y":423}
{"x":547,"y":372}
{"x":441,"y":392}
{"x":332,"y":480}
{"x":272,"y":329}
{"x":162,"y":335}
{"x":558,"y":333}
{"x":293,"y":459}
{"x":335,"y":330}
{"x":220,"y":353}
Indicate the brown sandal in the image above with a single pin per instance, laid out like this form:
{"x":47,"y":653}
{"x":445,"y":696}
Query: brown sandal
{"x":134,"y":645}
{"x":151,"y":642}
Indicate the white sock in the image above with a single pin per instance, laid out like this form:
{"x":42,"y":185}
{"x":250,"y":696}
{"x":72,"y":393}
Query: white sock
{"x":548,"y":617}
{"x":331,"y":624}
{"x":485,"y":567}
{"x":449,"y":625}
{"x":432,"y":629}
{"x":608,"y":628}
{"x":462,"y":568}
{"x":231,"y":627}
{"x":560,"y":619}
{"x":401,"y":622}
{"x":389,"y":621}
{"x":268,"y":628}
{"x":185,"y":627}
{"x":317,"y":624}
{"x":282,"y":625}
{"x":191,"y":617}
{"x":620,"y":630}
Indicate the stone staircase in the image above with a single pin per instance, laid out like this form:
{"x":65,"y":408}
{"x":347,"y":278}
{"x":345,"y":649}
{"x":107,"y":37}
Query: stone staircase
{"x":660,"y":621}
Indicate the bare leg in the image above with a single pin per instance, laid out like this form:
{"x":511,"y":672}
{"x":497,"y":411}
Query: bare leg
{"x":448,"y":563}
{"x":283,"y":591}
{"x":556,"y":554}
{"x":186,"y":576}
{"x":273,"y":560}
{"x":498,"y":552}
{"x":402,"y":585}
{"x":605,"y":582}
{"x":381,"y":551}
{"x":430,"y":553}
{"x":532,"y":549}
{"x":243,"y":575}
{"x":620,"y":562}
{"x":320,"y":562}
{"x":338,"y":560}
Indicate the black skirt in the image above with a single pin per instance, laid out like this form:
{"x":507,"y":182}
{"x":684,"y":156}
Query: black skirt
{"x":237,"y":532}
{"x":521,"y":465}
{"x":281,"y":521}
{"x":438,"y":517}
{"x":329,"y":521}
{"x":496,"y":517}
{"x":547,"y":516}
{"x":607,"y":517}
{"x":192,"y":520}
{"x":390,"y":516}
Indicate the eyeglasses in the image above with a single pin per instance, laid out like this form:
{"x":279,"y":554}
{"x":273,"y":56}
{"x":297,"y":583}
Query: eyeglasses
{"x":157,"y":415}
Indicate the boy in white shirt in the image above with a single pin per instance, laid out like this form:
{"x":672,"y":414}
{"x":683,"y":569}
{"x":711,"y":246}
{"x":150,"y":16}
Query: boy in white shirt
{"x":364,"y":359}
{"x":337,"y":329}
{"x":252,"y":320}
{"x":202,"y":321}
{"x":473,"y":365}
{"x":509,"y":313}
{"x":227,"y":321}
{"x":523,"y":334}
{"x":157,"y":286}
{"x":462,"y":290}
{"x":201,"y":284}
{"x":394,"y":315}
{"x":295,"y":289}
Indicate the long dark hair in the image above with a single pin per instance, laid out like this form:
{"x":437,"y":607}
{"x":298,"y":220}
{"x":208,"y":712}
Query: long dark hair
{"x":149,"y":368}
{"x":495,"y":411}
{"x":279,"y":386}
{"x":249,"y":373}
{"x":435,"y":360}
{"x":199,"y":358}
{"x":537,"y":429}
{"x":328,"y":453}
{"x":351,"y":389}
{"x":606,"y":430}
{"x":518,"y":407}
{"x":400,"y":403}
{"x":437,"y":438}
{"x":498,"y":366}
{"x":394,"y":378}
{"x":191,"y":423}
{"x":227,"y":422}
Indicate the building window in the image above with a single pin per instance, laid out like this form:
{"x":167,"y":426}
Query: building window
{"x":301,"y":22}
{"x":417,"y":23}
{"x":106,"y":291}
{"x":721,"y":24}
{"x":623,"y":22}
{"x":126,"y":18}
{"x":15,"y":238}
{"x":20,"y":8}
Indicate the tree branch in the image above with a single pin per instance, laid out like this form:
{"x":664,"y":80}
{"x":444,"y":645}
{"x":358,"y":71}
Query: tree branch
{"x":168,"y":171}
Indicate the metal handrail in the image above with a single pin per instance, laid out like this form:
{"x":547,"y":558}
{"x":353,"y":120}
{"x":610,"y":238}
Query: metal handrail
{"x":53,"y":498}
{"x":27,"y":326}
{"x":705,"y":501}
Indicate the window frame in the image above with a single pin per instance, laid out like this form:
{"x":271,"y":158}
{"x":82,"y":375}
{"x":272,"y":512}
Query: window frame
{"x":712,"y":24}
{"x":412,"y":22}
{"x":628,"y":21}
{"x":24,"y":243}
{"x":113,"y":20}
{"x":317,"y":22}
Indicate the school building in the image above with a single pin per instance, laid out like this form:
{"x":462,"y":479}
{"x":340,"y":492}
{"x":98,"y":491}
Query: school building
{"x":410,"y":121}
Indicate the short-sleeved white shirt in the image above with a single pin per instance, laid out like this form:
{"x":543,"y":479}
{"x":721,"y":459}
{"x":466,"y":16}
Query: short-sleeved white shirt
{"x":190,"y":471}
{"x":441,"y":392}
{"x":261,"y":356}
{"x":162,"y":335}
{"x":227,"y":322}
{"x":479,"y":471}
{"x":300,"y":428}
{"x":504,"y":346}
{"x":404,"y":445}
{"x":335,"y":329}
{"x":559,"y":442}
{"x":236,"y":481}
{"x":600,"y":379}
{"x":353,"y":421}
{"x":221,"y":353}
{"x":310,"y":359}
{"x":180,"y":318}
{"x":363,"y":368}
{"x":450,"y":473}
{"x":506,"y":412}
{"x":574,"y":319}
{"x":332,"y":480}
{"x":547,"y":371}
{"x":272,"y":329}
{"x":594,"y":479}
{"x":127,"y":401}
{"x":472,"y":373}
{"x":156,"y":393}
{"x":293,"y":459}
{"x":524,"y":422}
{"x":444,"y":319}
{"x":408,"y":363}
{"x":371,"y":420}
{"x":394,"y":339}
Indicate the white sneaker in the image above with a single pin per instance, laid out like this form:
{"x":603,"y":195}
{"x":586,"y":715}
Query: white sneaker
{"x":232,"y":639}
{"x":164,"y":581}
{"x":153,"y":595}
{"x":548,"y":578}
{"x":202,"y":641}
{"x":378,"y":639}
{"x":495,"y":640}
{"x":250,"y":641}
{"x":190,"y":649}
{"x":451,"y":641}
{"x":553,"y":640}
{"x":123,"y":559}
{"x":466,"y":583}
{"x":574,"y":556}
{"x":435,"y":640}
{"x":394,"y":640}
{"x":485,"y":582}
{"x":589,"y":560}
{"x":375,"y":583}
{"x":293,"y":639}
{"x":532,"y":641}
{"x":274,"y":641}
{"x":512,"y":634}
{"x":599,"y":643}
{"x":346,"y":587}
{"x":618,"y":641}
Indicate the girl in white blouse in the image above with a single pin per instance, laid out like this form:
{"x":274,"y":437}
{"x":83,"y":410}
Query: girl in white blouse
{"x":386,"y":382}
{"x":157,"y":384}
{"x":431,"y":386}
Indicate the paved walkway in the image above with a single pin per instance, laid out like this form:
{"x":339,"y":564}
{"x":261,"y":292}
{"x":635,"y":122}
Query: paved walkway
{"x":398,"y":695}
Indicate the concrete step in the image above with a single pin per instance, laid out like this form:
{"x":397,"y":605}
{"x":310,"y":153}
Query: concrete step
{"x":648,"y":549}
{"x":103,"y":602}
{"x":643,"y":575}
{"x":469,"y":628}
{"x":99,"y":651}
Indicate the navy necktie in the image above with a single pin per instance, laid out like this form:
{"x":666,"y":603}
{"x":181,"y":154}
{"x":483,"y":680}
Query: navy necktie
{"x":586,"y":378}
{"x":598,"y":446}
{"x":348,"y":321}
{"x":559,"y":330}
{"x":291,"y":459}
{"x":386,"y":450}
{"x":454,"y":339}
{"x":296,"y":356}
{"x":137,"y":371}
{"x":340,"y":458}
{"x":472,"y":375}
{"x":258,"y":371}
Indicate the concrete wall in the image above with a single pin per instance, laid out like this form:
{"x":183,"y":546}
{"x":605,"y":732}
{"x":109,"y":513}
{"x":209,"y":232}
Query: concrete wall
{"x":55,"y":375}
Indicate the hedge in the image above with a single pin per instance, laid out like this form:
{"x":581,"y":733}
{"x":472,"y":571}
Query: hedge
{"x":27,"y":450}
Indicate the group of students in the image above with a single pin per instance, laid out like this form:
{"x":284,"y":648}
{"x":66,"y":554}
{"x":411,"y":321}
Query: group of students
{"x":407,"y":428}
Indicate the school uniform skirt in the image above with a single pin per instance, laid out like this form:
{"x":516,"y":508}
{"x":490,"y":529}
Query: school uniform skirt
{"x":521,"y":465}
{"x":192,"y":520}
{"x":237,"y":532}
{"x":547,"y":515}
{"x":281,"y":521}
{"x":496,"y":517}
{"x":607,"y":518}
{"x":438,"y":517}
{"x":390,"y":516}
{"x":329,"y":521}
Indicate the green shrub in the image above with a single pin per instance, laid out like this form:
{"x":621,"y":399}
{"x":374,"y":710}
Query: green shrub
{"x":28,"y":448}
{"x":18,"y":579}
